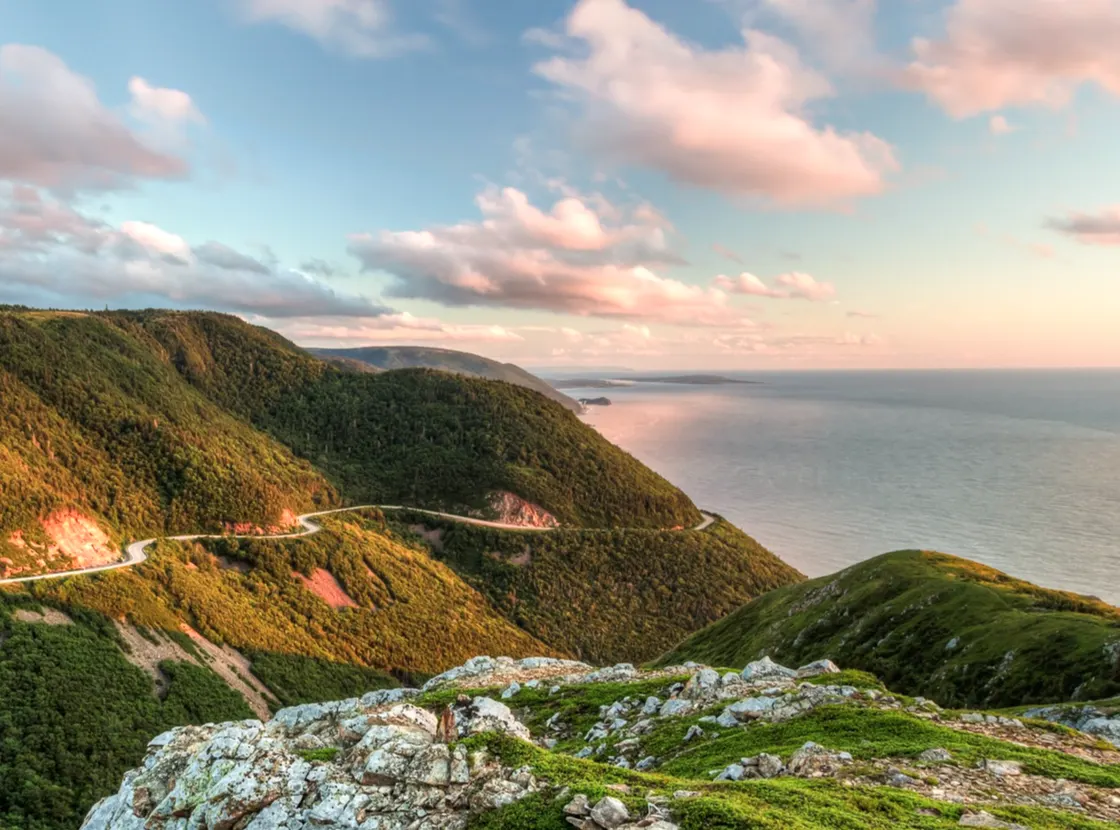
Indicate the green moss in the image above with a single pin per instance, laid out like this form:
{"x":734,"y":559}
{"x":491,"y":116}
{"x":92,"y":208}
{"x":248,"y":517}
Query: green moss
{"x":325,"y":754}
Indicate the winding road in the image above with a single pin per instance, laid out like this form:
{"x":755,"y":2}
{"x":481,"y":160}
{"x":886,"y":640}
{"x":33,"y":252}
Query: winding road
{"x":135,"y":552}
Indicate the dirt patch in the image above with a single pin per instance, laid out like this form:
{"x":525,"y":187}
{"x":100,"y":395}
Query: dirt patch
{"x":48,"y":616}
{"x":238,"y":565}
{"x":432,"y":537}
{"x":287,"y":523}
{"x":236,"y":670}
{"x":148,"y":654}
{"x":79,"y":539}
{"x":1078,"y":743}
{"x":323,"y":584}
{"x":511,"y":509}
{"x":521,"y":560}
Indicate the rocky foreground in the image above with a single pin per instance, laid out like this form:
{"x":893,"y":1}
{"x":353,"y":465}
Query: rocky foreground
{"x":545,"y":743}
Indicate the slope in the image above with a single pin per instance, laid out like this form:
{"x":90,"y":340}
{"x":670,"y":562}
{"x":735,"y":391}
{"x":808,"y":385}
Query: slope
{"x":447,"y":360}
{"x":94,"y":423}
{"x":934,"y":625}
{"x":415,"y":436}
{"x":608,"y":596}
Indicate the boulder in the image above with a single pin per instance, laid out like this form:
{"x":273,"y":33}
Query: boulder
{"x":814,"y":761}
{"x":610,"y":813}
{"x":765,"y":669}
{"x":936,"y":755}
{"x":816,"y":668}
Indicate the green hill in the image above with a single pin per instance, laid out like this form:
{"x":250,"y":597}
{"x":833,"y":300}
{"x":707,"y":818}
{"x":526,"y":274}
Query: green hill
{"x":609,"y":596}
{"x":159,"y":422}
{"x":446,"y":360}
{"x":934,"y":625}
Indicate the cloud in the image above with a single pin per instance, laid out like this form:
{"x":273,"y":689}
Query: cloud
{"x":1100,"y":228}
{"x":804,"y":287}
{"x":361,"y":28}
{"x":53,"y":255}
{"x":866,"y":315}
{"x":842,"y":32}
{"x":998,"y":125}
{"x":55,"y":132}
{"x":160,"y":104}
{"x":726,"y":253}
{"x":794,"y":285}
{"x":564,"y":260}
{"x":998,"y":53}
{"x":319,"y":267}
{"x":732,"y":120}
{"x":400,"y":328}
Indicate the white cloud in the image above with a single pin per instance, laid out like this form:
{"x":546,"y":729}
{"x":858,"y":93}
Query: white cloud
{"x":733,"y":120}
{"x":362,"y":28}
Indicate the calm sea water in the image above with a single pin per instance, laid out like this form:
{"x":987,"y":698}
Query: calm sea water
{"x":1019,"y":470}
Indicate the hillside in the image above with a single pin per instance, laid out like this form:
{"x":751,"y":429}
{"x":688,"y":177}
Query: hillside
{"x":446,"y":360}
{"x":608,"y":596}
{"x":123,"y":424}
{"x":91,"y":668}
{"x":934,"y":625}
{"x":547,"y":745}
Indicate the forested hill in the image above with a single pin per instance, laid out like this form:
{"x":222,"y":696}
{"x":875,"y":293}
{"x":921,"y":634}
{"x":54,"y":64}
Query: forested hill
{"x":447,"y":360}
{"x":150,"y":422}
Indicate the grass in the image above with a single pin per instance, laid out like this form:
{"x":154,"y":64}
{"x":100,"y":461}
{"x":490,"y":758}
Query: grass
{"x":326,"y":754}
{"x":783,"y":804}
{"x":929,"y":624}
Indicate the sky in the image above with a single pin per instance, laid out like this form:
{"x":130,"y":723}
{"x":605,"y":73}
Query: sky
{"x":711,"y":184}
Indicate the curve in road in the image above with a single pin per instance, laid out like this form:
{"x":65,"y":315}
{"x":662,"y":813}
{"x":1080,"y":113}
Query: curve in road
{"x":135,"y":552}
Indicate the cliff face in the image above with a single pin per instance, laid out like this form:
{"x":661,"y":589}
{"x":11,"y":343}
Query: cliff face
{"x":514,"y":510}
{"x":504,"y":756}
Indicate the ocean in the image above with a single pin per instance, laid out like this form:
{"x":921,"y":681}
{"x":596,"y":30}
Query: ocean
{"x":1016,"y":469}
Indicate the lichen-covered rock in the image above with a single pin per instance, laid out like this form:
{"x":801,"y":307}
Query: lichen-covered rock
{"x":818,"y":667}
{"x":814,"y":761}
{"x":391,"y":772}
{"x":765,"y":669}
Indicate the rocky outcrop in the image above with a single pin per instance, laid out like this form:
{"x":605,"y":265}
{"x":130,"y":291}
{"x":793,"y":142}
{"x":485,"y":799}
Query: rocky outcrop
{"x":1103,"y":722}
{"x":511,"y":509}
{"x":377,"y":762}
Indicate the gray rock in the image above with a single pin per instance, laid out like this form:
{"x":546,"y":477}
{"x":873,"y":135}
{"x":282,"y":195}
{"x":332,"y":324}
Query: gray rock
{"x":693,"y":733}
{"x":578,"y":806}
{"x":765,"y":669}
{"x":1002,"y":768}
{"x":701,"y":684}
{"x":751,"y":708}
{"x":510,"y":690}
{"x":732,"y":772}
{"x":769,"y":766}
{"x":936,"y":755}
{"x":986,"y":819}
{"x":610,"y":813}
{"x":818,"y":667}
{"x":953,"y":643}
{"x":972,"y":717}
{"x":651,"y":706}
{"x":813,"y":761}
{"x":649,"y":762}
{"x":676,"y":706}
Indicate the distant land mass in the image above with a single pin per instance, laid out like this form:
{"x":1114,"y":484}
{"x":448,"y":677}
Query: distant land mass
{"x":384,"y":358}
{"x":613,"y":383}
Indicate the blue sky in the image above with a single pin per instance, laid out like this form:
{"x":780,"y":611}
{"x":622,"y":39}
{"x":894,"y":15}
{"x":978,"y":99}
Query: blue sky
{"x":579,"y":183}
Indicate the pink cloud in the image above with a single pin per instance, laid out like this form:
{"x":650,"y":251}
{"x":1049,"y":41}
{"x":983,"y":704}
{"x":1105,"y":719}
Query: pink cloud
{"x":726,"y":253}
{"x":401,"y":328}
{"x":998,"y":125}
{"x":1100,"y":228}
{"x":997,"y":53}
{"x":55,"y":132}
{"x":794,"y":285}
{"x":565,"y":260}
{"x":732,"y":120}
{"x":54,"y":255}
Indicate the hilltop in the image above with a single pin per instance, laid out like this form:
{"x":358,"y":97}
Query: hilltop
{"x":446,"y":360}
{"x":934,"y":625}
{"x":543,"y":744}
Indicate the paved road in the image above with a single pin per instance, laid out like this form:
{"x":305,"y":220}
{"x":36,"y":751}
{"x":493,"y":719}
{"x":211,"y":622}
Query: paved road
{"x":135,"y":552}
